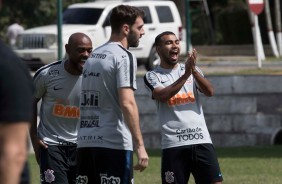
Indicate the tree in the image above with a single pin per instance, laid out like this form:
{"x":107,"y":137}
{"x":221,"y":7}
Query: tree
{"x":31,"y":13}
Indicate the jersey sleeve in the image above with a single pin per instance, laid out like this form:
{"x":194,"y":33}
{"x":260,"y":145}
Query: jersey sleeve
{"x":152,"y":81}
{"x":126,"y":71}
{"x":200,"y":71}
{"x":39,"y":81}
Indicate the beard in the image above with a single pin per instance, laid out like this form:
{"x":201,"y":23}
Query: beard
{"x":169,"y":61}
{"x":133,"y":41}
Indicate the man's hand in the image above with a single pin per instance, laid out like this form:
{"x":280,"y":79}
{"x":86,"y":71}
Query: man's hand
{"x":190,"y":64}
{"x":143,"y":159}
{"x":37,"y":144}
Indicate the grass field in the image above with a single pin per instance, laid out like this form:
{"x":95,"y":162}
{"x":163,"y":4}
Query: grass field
{"x":244,"y":165}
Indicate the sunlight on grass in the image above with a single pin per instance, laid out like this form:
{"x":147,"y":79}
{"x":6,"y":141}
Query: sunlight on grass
{"x":244,"y":165}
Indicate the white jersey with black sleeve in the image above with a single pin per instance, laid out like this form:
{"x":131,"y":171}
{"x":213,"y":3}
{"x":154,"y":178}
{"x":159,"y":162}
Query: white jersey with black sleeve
{"x":59,"y":111}
{"x":181,"y":117}
{"x":102,"y":124}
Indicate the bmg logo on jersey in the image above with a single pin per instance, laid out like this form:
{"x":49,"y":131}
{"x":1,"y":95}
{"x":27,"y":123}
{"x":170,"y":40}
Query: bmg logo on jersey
{"x":90,"y":99}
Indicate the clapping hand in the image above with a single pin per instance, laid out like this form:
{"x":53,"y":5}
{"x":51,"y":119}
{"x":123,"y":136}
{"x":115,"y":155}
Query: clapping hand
{"x":190,"y":64}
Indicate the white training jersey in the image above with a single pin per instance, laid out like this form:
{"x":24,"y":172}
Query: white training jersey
{"x":59,"y":111}
{"x":181,"y":117}
{"x":102,"y":124}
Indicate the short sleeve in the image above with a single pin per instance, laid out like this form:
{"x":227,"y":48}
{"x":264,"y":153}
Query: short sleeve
{"x":152,"y":80}
{"x":200,"y":71}
{"x":126,"y":71}
{"x":39,"y":81}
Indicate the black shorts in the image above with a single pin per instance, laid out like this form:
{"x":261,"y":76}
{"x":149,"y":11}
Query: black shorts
{"x":104,"y":165}
{"x":199,"y":159}
{"x":58,"y":164}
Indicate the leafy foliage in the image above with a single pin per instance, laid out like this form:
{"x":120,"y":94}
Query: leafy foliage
{"x":29,"y":13}
{"x":228,"y":21}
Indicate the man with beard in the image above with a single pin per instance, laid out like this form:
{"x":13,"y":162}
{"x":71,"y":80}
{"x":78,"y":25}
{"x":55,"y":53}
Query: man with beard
{"x":109,"y":114}
{"x":186,"y":143}
{"x":58,"y":85}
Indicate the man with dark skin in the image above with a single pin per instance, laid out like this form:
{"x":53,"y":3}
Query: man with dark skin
{"x":58,"y":85}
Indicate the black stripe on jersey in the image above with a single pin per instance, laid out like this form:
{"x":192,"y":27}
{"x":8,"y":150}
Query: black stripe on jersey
{"x":131,"y":65}
{"x":147,"y":83}
{"x":46,"y":66}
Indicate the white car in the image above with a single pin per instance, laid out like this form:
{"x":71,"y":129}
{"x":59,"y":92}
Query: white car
{"x":38,"y":46}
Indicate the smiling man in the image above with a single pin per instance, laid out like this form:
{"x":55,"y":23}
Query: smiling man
{"x":186,"y":143}
{"x":58,"y":85}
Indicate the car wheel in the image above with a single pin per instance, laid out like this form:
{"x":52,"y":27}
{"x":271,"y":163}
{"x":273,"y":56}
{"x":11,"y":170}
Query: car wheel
{"x":153,"y":60}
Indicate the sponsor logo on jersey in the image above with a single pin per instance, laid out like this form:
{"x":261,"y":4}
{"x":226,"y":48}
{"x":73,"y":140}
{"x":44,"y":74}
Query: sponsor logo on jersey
{"x":189,"y":80}
{"x":90,"y":139}
{"x":110,"y":180}
{"x":87,"y":73}
{"x":81,"y":179}
{"x":54,"y":73}
{"x":62,"y":142}
{"x":66,"y":111}
{"x":89,"y":123}
{"x":189,"y":134}
{"x":90,"y":99}
{"x":98,"y":56}
{"x":181,"y":98}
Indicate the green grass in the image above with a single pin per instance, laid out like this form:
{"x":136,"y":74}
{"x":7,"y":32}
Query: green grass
{"x":244,"y":165}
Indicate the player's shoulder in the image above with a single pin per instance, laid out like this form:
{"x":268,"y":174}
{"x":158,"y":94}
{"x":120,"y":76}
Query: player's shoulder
{"x":118,"y":49}
{"x":51,"y":69}
{"x":154,"y":72}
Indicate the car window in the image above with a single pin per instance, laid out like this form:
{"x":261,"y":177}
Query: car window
{"x":107,"y":21}
{"x":88,"y":16}
{"x":164,"y":14}
{"x":148,"y":17}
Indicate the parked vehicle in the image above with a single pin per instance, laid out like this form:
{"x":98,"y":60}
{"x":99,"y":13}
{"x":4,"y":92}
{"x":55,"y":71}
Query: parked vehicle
{"x":38,"y":46}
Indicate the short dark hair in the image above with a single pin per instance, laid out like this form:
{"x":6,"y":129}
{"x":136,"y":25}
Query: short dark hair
{"x":124,"y":14}
{"x":158,"y":38}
